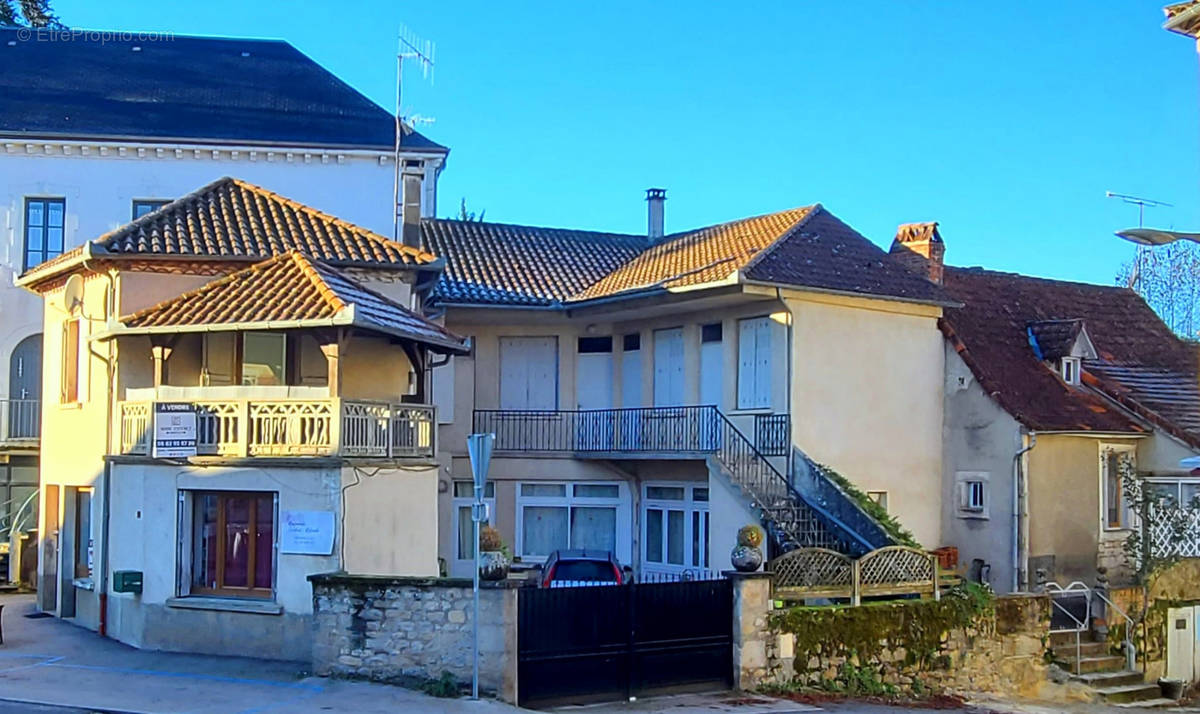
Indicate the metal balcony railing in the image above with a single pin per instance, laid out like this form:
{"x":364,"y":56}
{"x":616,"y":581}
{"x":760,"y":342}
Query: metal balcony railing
{"x":685,"y":430}
{"x":294,"y":427}
{"x":20,"y":421}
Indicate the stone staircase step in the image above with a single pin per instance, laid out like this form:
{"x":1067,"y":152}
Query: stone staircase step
{"x":1104,"y":663}
{"x":1128,"y":693}
{"x":1110,"y":679}
{"x":1062,"y":639}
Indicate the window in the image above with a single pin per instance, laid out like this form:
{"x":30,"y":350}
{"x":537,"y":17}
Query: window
{"x":44,"y":221}
{"x":754,"y":363}
{"x":973,"y":494}
{"x":142,"y":207}
{"x":631,"y":370}
{"x":529,"y":373}
{"x":880,"y":498}
{"x":712,"y":362}
{"x":464,"y":529}
{"x":84,"y":550}
{"x":264,"y":355}
{"x":1115,"y":463}
{"x":1070,"y":370}
{"x":1175,"y":491}
{"x":233,"y":543}
{"x":675,"y":525}
{"x":554,"y":516}
{"x":595,"y":345}
{"x":74,"y":367}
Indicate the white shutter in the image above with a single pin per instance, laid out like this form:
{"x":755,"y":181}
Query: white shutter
{"x":631,"y":378}
{"x":529,"y":373}
{"x":514,"y":378}
{"x":668,"y":367}
{"x":762,"y":359}
{"x":747,"y":346}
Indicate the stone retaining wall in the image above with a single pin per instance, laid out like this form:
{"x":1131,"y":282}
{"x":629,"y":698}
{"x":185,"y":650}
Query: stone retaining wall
{"x":410,"y":630}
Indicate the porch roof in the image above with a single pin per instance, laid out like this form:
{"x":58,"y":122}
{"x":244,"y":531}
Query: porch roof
{"x":291,"y":291}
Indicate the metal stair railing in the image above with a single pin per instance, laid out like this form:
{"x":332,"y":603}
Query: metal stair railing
{"x":1075,"y":589}
{"x":800,"y":523}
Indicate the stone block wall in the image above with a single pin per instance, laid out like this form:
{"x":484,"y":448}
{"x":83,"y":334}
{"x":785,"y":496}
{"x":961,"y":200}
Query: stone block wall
{"x":409,"y":630}
{"x":903,"y":646}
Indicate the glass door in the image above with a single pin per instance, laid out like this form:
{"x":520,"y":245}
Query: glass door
{"x":675,"y":524}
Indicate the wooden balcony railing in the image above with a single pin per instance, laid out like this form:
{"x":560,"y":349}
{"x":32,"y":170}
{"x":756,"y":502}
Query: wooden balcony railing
{"x":20,"y":422}
{"x":294,"y":427}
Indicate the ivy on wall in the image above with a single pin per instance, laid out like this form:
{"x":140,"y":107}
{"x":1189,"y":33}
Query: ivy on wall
{"x":890,"y":525}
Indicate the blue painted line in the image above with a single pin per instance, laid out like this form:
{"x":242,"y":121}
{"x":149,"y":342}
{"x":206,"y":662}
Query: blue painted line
{"x":47,"y":661}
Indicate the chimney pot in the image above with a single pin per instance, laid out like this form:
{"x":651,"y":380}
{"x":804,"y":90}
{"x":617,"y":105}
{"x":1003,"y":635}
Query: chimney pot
{"x":655,"y":198}
{"x":919,"y":247}
{"x":412,"y":177}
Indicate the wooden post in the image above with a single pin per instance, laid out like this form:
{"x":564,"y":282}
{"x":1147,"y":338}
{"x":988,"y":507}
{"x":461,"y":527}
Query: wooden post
{"x":856,"y":583}
{"x":334,"y":346}
{"x":161,"y":348}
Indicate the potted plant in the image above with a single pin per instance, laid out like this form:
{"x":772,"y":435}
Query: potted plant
{"x":493,"y":558}
{"x":746,"y":556}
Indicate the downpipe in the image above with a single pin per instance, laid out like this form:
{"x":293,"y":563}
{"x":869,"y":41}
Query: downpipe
{"x":1020,"y":496}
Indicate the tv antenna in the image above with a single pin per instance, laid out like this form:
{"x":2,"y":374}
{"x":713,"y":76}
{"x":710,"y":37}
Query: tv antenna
{"x":409,"y":47}
{"x":1140,"y":202}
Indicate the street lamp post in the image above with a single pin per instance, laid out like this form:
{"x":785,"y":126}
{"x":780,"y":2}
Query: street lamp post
{"x":479,"y":448}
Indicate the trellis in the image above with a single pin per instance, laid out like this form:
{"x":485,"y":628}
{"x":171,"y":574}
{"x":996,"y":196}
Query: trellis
{"x":811,"y":573}
{"x":1172,"y":531}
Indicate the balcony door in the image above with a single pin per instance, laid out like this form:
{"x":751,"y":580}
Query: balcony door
{"x":675,"y":525}
{"x":24,"y":388}
{"x":594,"y":394}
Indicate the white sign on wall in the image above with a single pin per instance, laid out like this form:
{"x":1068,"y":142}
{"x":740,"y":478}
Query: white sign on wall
{"x":306,"y":532}
{"x":174,"y":429}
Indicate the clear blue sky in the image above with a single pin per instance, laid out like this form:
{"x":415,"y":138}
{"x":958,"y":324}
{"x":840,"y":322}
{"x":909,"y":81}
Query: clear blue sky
{"x":1006,"y":122}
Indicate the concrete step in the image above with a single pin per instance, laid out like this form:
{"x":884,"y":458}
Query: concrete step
{"x":1128,"y":693}
{"x":1099,"y":680}
{"x":1100,"y":663}
{"x":1086,"y":649}
{"x":1062,"y":639}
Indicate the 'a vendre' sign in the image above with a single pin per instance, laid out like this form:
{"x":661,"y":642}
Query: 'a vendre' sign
{"x":174,"y":430}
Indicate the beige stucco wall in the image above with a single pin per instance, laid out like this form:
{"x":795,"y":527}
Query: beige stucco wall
{"x":1064,"y":504}
{"x":391,"y":523}
{"x":867,"y":389}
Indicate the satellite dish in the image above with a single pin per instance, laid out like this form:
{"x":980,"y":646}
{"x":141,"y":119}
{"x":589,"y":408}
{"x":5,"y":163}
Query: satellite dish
{"x":73,"y":293}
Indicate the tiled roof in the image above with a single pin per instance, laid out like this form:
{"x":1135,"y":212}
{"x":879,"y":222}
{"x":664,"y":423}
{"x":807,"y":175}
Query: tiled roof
{"x":290,"y":289}
{"x":502,"y":264}
{"x":1053,"y":339}
{"x":696,"y":257}
{"x":1141,"y":363}
{"x":191,"y":89}
{"x":231,"y":219}
{"x":826,"y":254}
{"x":498,"y":264}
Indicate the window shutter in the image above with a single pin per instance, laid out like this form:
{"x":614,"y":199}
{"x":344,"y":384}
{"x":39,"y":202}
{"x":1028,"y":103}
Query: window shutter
{"x":219,"y":356}
{"x":762,"y":367}
{"x":747,"y":358}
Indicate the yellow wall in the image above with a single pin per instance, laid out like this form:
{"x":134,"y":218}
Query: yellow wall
{"x":867,"y":399}
{"x":391,"y":521}
{"x":1064,"y":503}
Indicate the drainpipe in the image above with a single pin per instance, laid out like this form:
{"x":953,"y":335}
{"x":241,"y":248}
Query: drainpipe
{"x":106,"y":479}
{"x":1020,"y":497}
{"x":791,"y":326}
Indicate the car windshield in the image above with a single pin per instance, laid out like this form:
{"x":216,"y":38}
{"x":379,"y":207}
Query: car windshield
{"x":588,"y":570}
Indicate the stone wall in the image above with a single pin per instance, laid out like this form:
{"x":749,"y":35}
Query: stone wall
{"x":907,"y":647}
{"x":410,"y":630}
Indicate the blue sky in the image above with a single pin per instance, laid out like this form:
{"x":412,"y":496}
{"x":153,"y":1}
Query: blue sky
{"x":1005,"y":122}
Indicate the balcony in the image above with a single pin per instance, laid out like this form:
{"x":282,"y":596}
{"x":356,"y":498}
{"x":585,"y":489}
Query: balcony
{"x":637,"y":432}
{"x":294,"y":428}
{"x":20,"y":423}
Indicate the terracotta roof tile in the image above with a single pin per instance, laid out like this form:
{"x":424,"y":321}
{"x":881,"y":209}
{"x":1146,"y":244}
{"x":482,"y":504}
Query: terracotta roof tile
{"x":235,"y":220}
{"x":290,"y":288}
{"x":500,"y":264}
{"x":1141,"y":364}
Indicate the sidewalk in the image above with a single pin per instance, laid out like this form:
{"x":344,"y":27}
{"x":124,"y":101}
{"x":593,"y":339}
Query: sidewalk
{"x":47,"y":661}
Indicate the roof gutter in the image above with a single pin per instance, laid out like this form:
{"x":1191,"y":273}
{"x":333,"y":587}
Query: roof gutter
{"x":203,"y":144}
{"x":849,"y":293}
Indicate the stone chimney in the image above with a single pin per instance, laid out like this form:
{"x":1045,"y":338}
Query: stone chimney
{"x":655,"y":198}
{"x":412,"y":175}
{"x":919,"y":247}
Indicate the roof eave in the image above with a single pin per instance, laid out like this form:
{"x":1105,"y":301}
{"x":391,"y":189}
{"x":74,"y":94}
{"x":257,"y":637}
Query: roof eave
{"x":850,"y":293}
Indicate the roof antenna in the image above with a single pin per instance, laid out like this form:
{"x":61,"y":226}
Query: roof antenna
{"x":1136,"y":275}
{"x":410,"y":47}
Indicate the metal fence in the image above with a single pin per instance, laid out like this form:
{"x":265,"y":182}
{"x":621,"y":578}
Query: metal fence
{"x":20,"y":420}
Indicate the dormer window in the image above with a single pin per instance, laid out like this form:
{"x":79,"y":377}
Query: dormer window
{"x":1070,"y":370}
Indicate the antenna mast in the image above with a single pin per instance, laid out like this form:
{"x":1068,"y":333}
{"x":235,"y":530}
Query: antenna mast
{"x":1140,"y":258}
{"x":409,"y":46}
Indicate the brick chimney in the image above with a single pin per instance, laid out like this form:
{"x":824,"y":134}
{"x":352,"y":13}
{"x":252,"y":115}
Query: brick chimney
{"x":919,"y":247}
{"x":412,"y":176}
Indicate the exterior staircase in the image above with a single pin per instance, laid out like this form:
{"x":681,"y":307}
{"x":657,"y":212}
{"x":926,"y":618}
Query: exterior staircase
{"x":1105,"y":674}
{"x":792,"y":518}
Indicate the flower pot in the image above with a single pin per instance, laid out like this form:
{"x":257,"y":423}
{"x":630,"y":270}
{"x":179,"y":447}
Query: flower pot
{"x":493,"y":565}
{"x":1171,"y":688}
{"x":746,"y":559}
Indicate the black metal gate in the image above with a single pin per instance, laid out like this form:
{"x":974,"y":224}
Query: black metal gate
{"x":612,"y":642}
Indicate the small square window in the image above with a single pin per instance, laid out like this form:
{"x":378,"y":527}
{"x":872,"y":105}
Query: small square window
{"x":880,"y":498}
{"x":710,"y":333}
{"x":142,"y":207}
{"x":631,"y":342}
{"x":974,"y":493}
